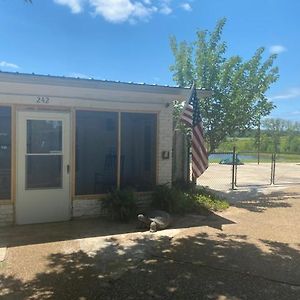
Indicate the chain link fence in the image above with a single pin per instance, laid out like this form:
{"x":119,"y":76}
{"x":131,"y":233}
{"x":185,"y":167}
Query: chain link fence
{"x":218,"y":176}
{"x":240,"y":170}
{"x":286,"y":168}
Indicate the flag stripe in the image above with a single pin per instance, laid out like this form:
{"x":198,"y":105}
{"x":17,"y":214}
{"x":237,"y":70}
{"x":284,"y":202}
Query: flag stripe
{"x":198,"y":153}
{"x":199,"y":136}
{"x":198,"y":163}
{"x":199,"y":160}
{"x":187,"y":118}
{"x":187,"y":115}
{"x":191,"y":117}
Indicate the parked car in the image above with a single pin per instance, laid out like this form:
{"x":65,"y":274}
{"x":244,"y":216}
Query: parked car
{"x":228,"y":161}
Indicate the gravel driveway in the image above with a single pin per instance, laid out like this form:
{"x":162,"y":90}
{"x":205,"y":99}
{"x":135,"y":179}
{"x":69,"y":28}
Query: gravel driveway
{"x":250,"y":251}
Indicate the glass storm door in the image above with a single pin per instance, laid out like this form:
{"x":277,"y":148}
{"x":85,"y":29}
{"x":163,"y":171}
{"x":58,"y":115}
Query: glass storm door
{"x":43,"y":158}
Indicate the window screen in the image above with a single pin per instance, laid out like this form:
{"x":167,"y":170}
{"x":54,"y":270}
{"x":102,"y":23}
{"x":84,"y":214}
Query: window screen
{"x":5,"y":153}
{"x":96,"y":152}
{"x":138,"y":151}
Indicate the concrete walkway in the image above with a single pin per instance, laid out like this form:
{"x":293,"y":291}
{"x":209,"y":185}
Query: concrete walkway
{"x":250,"y":251}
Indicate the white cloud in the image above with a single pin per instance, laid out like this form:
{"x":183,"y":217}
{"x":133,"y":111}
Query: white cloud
{"x":289,"y":94}
{"x":295,"y":113}
{"x":118,"y":11}
{"x":165,"y":9}
{"x":186,"y":6}
{"x":76,"y":6}
{"x":5,"y":64}
{"x":277,"y":49}
{"x":79,"y":75}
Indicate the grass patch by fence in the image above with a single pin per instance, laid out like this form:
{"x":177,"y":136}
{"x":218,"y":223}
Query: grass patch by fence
{"x":252,"y":157}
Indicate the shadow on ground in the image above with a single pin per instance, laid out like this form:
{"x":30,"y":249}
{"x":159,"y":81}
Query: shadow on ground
{"x":255,"y":199}
{"x":99,"y":227}
{"x":186,"y":267}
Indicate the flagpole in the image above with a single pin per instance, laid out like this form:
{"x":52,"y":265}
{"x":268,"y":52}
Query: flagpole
{"x":185,"y":105}
{"x":187,"y":101}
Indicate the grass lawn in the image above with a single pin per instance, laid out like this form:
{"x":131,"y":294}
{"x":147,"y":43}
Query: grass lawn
{"x":251,"y":157}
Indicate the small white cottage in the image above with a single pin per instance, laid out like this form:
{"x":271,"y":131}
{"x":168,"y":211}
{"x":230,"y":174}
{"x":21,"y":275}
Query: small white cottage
{"x":65,"y":142}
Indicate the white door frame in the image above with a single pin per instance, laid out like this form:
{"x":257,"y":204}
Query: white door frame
{"x":41,"y":205}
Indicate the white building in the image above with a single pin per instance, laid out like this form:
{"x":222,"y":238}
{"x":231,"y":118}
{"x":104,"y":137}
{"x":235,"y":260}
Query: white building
{"x":66,"y":142}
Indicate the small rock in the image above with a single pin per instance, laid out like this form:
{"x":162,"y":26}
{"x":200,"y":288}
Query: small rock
{"x":2,"y":253}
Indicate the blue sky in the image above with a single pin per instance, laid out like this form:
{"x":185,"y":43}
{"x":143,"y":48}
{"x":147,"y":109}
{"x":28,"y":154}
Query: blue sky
{"x":128,"y":40}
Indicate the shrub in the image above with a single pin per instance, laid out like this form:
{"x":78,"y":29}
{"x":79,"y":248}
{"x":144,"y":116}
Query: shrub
{"x":187,"y":199}
{"x":121,"y":205}
{"x":162,"y":198}
{"x":209,"y":200}
{"x":169,"y":199}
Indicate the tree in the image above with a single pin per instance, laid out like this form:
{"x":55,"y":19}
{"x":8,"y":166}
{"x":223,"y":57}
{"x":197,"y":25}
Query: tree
{"x":239,"y":86}
{"x":283,"y":134}
{"x":275,"y":129}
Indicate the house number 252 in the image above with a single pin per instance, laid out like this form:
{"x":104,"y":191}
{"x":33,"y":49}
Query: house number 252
{"x":42,"y":99}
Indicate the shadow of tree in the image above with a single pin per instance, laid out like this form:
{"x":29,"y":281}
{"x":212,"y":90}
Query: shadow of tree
{"x":77,"y":229}
{"x":156,"y":267}
{"x":61,"y":231}
{"x":255,"y":200}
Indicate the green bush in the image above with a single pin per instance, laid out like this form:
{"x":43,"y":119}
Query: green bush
{"x":186,"y":199}
{"x":121,"y":205}
{"x":164,"y":198}
{"x":209,"y":200}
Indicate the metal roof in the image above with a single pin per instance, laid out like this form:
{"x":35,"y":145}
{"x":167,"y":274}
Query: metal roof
{"x":94,"y":79}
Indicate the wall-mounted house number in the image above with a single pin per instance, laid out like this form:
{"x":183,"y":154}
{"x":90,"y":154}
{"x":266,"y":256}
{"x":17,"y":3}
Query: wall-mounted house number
{"x":42,"y":99}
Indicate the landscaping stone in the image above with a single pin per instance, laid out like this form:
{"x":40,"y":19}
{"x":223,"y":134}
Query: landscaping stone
{"x":2,"y":254}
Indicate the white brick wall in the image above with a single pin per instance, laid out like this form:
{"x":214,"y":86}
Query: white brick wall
{"x":165,"y":131}
{"x":92,"y":207}
{"x":6,"y":214}
{"x":87,"y":208}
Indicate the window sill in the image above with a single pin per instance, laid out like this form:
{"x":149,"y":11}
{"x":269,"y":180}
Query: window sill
{"x":6,"y":202}
{"x":89,"y":197}
{"x":101,"y":196}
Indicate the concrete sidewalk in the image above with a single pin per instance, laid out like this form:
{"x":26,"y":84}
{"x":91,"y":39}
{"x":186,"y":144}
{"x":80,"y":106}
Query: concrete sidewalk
{"x":250,"y":251}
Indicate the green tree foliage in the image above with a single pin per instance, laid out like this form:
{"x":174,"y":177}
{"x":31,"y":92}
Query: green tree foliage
{"x":277,"y":135}
{"x":281,"y":135}
{"x":238,"y":85}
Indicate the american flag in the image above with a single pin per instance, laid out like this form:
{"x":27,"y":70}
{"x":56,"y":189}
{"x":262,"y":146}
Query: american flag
{"x":192,"y":118}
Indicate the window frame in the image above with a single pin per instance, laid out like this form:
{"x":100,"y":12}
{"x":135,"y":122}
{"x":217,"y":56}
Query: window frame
{"x":12,"y":152}
{"x":119,"y":131}
{"x":156,"y":157}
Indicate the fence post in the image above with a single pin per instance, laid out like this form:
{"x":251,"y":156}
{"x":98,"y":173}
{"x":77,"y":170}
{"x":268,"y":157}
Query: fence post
{"x":233,"y":169}
{"x":271,"y":178}
{"x":235,"y":174}
{"x":273,"y":166}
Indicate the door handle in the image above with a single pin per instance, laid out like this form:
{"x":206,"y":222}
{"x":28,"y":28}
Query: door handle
{"x":68,"y":169}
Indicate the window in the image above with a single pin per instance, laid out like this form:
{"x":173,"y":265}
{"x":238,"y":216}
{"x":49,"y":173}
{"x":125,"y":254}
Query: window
{"x":138,"y":151}
{"x":97,"y":156}
{"x":96,"y":152}
{"x":5,"y":153}
{"x":44,"y":154}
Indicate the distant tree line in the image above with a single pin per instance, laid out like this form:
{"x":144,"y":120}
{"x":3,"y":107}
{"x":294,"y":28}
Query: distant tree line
{"x":276,"y":135}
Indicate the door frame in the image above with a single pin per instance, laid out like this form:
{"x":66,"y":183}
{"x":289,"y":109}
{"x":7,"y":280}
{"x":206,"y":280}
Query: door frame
{"x":67,"y":139}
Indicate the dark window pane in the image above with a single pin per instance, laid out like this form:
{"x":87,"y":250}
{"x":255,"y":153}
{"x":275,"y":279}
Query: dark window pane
{"x":96,"y":152}
{"x":44,"y":136}
{"x":5,"y":153}
{"x":43,"y":171}
{"x":138,"y":151}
